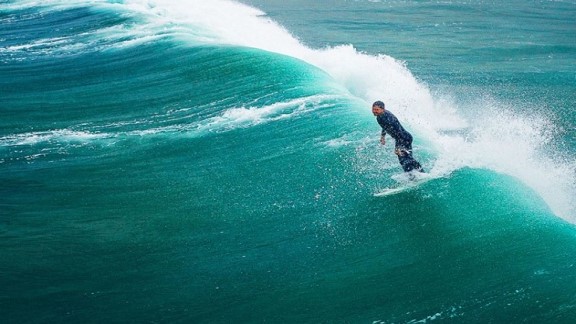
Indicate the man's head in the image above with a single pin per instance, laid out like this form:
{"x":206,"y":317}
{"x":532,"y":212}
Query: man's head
{"x":378,"y":108}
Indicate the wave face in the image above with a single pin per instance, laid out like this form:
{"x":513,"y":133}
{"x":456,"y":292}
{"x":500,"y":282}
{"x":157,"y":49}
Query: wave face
{"x":197,"y":162}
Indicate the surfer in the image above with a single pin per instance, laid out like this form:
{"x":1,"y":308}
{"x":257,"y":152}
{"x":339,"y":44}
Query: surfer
{"x":392,"y":126}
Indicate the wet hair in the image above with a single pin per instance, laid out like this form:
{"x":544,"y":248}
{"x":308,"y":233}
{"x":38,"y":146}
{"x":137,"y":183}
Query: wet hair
{"x":378,"y":104}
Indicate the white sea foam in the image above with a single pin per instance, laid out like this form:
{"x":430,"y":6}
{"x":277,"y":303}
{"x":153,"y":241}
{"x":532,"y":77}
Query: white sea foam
{"x":243,"y":117}
{"x":59,"y":136}
{"x":517,"y":145}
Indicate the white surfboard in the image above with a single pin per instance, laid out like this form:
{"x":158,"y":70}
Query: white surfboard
{"x":405,"y":185}
{"x":395,"y":190}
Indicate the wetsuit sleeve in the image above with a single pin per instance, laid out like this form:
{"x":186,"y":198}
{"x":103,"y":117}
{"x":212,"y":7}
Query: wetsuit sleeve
{"x":381,"y":123}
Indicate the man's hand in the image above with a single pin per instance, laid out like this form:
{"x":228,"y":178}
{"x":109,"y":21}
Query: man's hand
{"x":383,"y":140}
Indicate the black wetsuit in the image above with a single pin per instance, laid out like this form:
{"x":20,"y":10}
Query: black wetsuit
{"x":391,"y":126}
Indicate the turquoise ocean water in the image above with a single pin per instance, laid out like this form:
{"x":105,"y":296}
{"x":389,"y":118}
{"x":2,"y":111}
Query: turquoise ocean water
{"x":216,"y":162}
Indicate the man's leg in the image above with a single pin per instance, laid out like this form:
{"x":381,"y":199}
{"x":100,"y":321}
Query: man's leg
{"x":408,"y":163}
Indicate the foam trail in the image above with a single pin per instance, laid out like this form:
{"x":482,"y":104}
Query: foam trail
{"x":243,"y":117}
{"x":61,"y":135}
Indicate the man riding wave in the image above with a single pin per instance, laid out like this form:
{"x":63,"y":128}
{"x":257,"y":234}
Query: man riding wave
{"x":391,"y":126}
